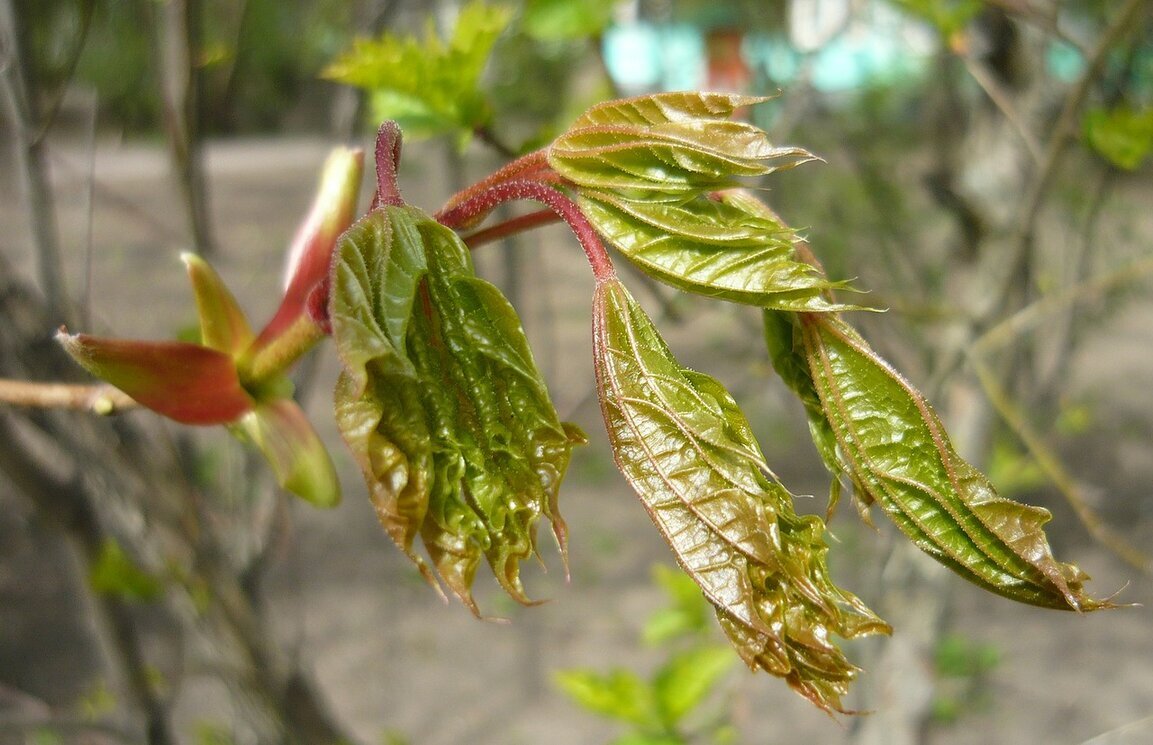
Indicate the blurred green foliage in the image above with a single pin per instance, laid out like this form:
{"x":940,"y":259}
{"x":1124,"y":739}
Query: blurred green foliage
{"x":428,"y":85}
{"x":254,"y":58}
{"x":115,"y":573}
{"x":963,"y":667}
{"x":664,"y":708}
{"x":1122,"y":135}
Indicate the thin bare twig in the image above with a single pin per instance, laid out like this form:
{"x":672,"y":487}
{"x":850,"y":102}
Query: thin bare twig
{"x":1004,"y":103}
{"x":1057,"y":474}
{"x":1059,"y":138}
{"x":99,"y":398}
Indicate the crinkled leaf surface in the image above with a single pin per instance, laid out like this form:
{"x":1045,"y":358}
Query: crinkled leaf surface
{"x":667,"y":145}
{"x":898,"y":454}
{"x":711,"y":248}
{"x":441,"y":401}
{"x":688,"y":451}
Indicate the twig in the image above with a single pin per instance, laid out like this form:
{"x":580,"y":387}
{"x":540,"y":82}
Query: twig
{"x":99,"y":398}
{"x":1029,"y":317}
{"x":1059,"y":138}
{"x":1051,"y":465}
{"x":997,"y":94}
{"x":18,"y":87}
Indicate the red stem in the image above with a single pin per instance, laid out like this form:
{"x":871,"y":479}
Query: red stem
{"x":471,"y":210}
{"x":532,"y":166}
{"x":388,"y":139}
{"x":509,"y":227}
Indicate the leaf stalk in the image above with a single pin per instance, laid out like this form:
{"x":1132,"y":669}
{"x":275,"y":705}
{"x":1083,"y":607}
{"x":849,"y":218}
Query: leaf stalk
{"x":472,"y":210}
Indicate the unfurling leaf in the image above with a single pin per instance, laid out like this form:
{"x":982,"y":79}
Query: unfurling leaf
{"x":283,"y":434}
{"x":667,"y":146}
{"x":185,"y":382}
{"x":897,"y":453}
{"x":310,"y":255}
{"x":223,"y":325}
{"x":442,"y":403}
{"x":712,"y":248}
{"x":689,"y":453}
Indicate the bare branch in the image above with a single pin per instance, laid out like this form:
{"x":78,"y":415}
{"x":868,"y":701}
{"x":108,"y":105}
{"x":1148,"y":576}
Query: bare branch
{"x":100,"y":398}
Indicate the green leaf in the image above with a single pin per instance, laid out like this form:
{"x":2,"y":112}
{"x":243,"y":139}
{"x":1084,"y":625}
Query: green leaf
{"x":430,"y":86}
{"x":711,"y":248}
{"x":949,"y":17}
{"x":898,"y":454}
{"x":1123,"y":136}
{"x":689,"y":453}
{"x":550,"y":20}
{"x":283,"y":434}
{"x":688,"y":678}
{"x":688,"y":613}
{"x":667,"y":146}
{"x":113,"y":572}
{"x":442,"y":403}
{"x":786,"y":351}
{"x":619,"y":694}
{"x":223,"y":326}
{"x":645,"y":738}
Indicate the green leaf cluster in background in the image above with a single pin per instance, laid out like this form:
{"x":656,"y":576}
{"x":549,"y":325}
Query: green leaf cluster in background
{"x":1121,"y":135}
{"x":442,"y":402}
{"x":429,"y":86}
{"x":665,"y":708}
{"x":555,"y":20}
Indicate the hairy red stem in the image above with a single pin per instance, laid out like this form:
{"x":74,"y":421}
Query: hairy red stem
{"x":473,"y":209}
{"x":510,"y":227}
{"x":533,"y":166}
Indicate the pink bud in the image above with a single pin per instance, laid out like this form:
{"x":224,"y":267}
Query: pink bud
{"x":332,"y":212}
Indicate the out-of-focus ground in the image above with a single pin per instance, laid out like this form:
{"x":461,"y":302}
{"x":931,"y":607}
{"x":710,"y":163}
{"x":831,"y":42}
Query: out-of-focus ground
{"x":393,"y":659}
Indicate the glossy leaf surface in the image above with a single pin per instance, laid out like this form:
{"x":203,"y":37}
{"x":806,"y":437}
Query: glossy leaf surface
{"x":711,"y":248}
{"x":668,"y":145}
{"x":442,"y":403}
{"x":689,"y":453}
{"x":899,"y":455}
